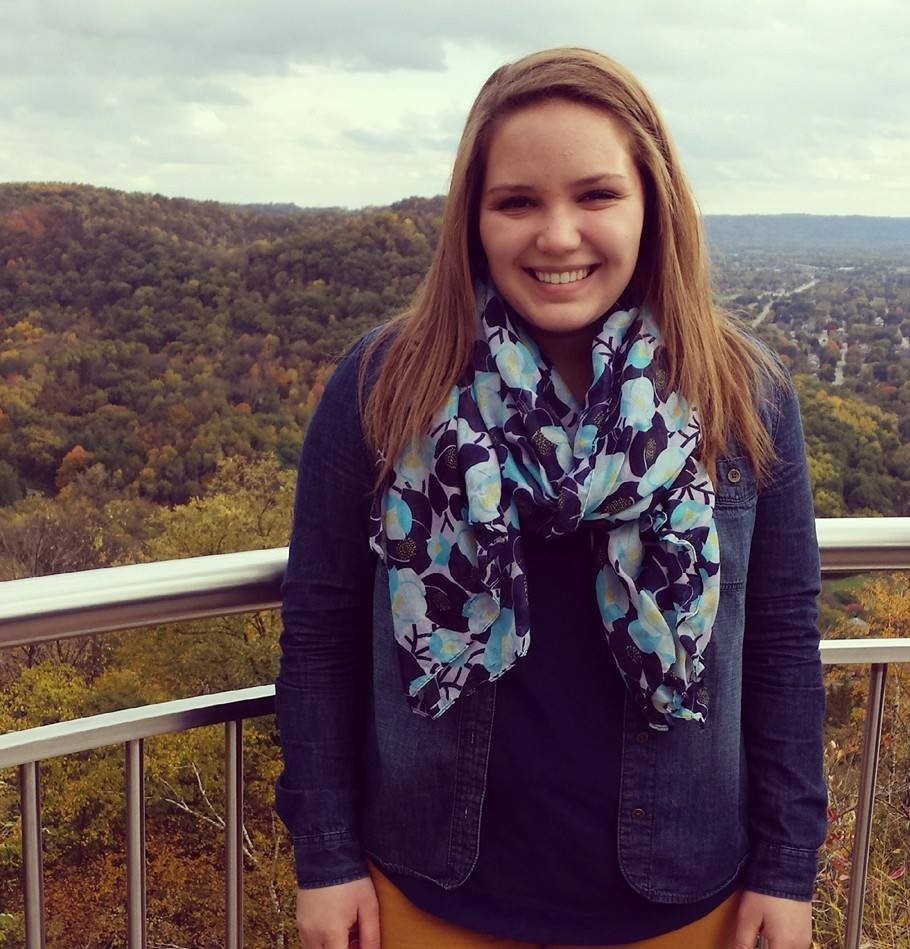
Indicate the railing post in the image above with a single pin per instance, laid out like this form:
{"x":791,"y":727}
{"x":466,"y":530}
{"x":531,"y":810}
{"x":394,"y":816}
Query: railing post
{"x":32,"y":860}
{"x":136,"y":908}
{"x":862,"y":835}
{"x":233,"y":833}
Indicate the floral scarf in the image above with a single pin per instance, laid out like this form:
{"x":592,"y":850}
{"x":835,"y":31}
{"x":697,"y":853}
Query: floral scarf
{"x":511,"y":449}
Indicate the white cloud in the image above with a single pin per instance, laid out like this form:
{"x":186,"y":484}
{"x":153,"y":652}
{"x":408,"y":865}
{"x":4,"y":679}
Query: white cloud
{"x":205,"y":121}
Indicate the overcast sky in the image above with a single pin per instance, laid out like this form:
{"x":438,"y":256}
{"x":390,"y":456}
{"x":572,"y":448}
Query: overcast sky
{"x":776,"y":105}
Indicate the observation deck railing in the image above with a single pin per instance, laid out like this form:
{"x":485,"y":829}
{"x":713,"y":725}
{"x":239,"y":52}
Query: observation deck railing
{"x":42,"y":609}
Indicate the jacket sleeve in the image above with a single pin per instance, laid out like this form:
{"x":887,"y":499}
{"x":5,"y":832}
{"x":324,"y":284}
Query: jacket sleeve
{"x":783,"y":693}
{"x":323,"y":682}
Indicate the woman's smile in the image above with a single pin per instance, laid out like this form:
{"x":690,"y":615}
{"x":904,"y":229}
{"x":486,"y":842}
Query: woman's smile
{"x":562,"y":277}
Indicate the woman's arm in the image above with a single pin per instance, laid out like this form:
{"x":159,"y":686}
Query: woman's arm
{"x":324,"y":678}
{"x":783,"y":694}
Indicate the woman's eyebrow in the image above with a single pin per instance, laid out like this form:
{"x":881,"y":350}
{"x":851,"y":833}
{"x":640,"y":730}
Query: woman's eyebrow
{"x":585,"y":182}
{"x":509,"y":187}
{"x":598,"y":179}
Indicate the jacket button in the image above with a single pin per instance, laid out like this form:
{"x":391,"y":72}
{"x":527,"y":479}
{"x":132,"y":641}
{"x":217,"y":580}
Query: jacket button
{"x":734,"y":476}
{"x":642,"y":738}
{"x":638,"y":813}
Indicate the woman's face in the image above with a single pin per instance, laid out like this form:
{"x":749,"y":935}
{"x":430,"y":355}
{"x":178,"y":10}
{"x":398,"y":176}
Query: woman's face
{"x":561,"y":214}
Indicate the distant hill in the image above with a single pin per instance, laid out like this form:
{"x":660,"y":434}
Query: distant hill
{"x":272,"y":208}
{"x":811,"y":233}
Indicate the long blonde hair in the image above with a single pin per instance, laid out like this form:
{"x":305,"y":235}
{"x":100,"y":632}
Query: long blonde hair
{"x":711,"y":360}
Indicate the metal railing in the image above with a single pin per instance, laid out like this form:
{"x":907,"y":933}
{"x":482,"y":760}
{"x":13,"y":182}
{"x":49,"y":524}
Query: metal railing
{"x":48,"y":608}
{"x":25,"y":749}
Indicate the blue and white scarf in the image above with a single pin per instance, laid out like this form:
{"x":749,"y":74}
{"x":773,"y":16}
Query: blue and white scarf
{"x":511,"y":449}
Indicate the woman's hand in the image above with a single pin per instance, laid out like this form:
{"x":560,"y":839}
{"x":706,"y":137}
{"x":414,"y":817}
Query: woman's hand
{"x":785,"y":924}
{"x":328,"y":916}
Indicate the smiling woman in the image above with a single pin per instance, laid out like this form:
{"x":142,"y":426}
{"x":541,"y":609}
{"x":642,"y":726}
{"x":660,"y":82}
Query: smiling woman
{"x":519,"y":497}
{"x":561,"y":238}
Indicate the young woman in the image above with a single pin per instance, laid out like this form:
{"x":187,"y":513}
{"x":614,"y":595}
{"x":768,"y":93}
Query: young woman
{"x":550,"y":668}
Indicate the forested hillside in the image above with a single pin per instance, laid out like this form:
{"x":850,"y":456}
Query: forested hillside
{"x":156,"y":336}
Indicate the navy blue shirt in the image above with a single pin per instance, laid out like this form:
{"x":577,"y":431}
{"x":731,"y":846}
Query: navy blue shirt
{"x":547,"y":869}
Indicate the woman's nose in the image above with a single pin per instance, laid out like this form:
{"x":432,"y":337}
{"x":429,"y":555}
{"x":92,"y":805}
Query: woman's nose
{"x":558,"y":234}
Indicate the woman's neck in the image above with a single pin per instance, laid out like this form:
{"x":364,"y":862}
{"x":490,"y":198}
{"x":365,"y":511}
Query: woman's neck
{"x":570,"y":353}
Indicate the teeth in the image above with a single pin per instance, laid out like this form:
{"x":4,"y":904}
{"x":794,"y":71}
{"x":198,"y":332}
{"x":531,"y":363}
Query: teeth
{"x":566,"y":276}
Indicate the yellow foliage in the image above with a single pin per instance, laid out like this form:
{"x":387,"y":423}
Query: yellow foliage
{"x":25,"y":332}
{"x":886,"y":600}
{"x":248,"y":507}
{"x":44,"y":693}
{"x":21,"y":392}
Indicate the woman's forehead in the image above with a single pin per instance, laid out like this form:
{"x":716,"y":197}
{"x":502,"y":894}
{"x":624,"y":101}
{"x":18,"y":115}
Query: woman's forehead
{"x":557,"y":137}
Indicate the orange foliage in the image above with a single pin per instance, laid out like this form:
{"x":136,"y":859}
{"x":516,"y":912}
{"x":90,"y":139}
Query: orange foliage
{"x":30,"y":219}
{"x":85,"y":901}
{"x":180,"y":417}
{"x":75,"y":460}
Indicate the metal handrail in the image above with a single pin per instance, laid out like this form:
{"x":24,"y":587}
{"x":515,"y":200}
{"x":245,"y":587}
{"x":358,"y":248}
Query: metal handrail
{"x":40,"y":609}
{"x":859,"y":544}
{"x":133,"y":724}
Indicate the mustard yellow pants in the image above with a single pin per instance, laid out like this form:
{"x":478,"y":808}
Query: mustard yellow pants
{"x":404,"y":926}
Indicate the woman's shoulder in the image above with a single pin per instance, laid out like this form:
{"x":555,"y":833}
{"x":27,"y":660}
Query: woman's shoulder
{"x":365,"y":355}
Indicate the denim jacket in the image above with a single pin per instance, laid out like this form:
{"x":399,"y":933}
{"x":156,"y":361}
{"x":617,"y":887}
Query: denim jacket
{"x":364,"y":775}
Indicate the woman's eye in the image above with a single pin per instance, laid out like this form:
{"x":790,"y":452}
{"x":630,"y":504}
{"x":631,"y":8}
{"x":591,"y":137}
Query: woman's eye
{"x":599,"y":195}
{"x":515,"y":202}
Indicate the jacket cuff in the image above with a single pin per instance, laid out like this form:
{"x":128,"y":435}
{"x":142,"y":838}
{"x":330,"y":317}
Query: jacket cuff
{"x":777,"y":870}
{"x":328,"y":860}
